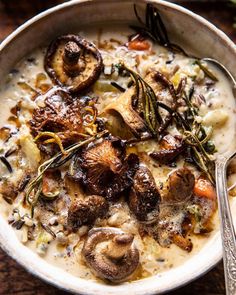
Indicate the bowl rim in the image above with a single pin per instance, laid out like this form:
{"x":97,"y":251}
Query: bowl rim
{"x":38,"y":273}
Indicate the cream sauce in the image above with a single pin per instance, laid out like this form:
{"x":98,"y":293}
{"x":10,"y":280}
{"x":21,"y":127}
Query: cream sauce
{"x":219,"y":100}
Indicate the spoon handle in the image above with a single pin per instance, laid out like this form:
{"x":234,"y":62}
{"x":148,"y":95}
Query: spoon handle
{"x":227,"y":228}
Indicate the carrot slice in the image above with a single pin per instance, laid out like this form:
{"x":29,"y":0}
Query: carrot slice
{"x":203,"y":188}
{"x":139,"y":45}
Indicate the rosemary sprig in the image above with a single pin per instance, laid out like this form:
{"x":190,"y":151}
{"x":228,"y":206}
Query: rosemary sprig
{"x":196,"y":137}
{"x":154,"y":28}
{"x":34,"y":188}
{"x":145,"y":101}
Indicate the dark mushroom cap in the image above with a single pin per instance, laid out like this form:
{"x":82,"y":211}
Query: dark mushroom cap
{"x":144,"y":197}
{"x":73,"y":62}
{"x":103,"y":168}
{"x":171,"y":148}
{"x":180,"y":185}
{"x":86,"y":211}
{"x":117,"y":260}
{"x":61,"y":114}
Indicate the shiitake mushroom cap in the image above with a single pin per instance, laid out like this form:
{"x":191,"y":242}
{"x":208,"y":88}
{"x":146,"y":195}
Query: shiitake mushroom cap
{"x":73,"y":62}
{"x":116,"y":267}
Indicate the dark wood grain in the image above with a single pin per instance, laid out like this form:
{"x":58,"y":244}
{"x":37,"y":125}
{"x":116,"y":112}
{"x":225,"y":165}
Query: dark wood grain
{"x":13,"y":278}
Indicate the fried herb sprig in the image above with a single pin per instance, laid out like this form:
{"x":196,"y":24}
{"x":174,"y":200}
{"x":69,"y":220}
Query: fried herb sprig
{"x":34,"y":188}
{"x":154,"y":28}
{"x":145,"y":101}
{"x":196,"y":137}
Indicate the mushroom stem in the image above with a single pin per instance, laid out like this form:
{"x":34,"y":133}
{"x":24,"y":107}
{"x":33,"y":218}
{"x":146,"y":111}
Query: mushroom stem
{"x":71,"y":64}
{"x":119,"y":246}
{"x":71,"y":53}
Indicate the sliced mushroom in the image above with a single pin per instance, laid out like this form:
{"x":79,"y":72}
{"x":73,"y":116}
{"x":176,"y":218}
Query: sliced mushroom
{"x":180,"y":186}
{"x":111,"y":254}
{"x":73,"y":62}
{"x":171,"y":147}
{"x":86,"y":211}
{"x":123,"y":107}
{"x":104,"y":169}
{"x":144,"y":197}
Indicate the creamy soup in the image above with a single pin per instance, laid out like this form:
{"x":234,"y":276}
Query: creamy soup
{"x":108,"y":141}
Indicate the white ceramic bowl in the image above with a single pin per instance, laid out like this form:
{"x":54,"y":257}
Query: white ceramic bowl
{"x":194,"y":34}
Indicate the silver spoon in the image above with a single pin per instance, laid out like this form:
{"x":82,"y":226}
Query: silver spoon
{"x":226,"y":222}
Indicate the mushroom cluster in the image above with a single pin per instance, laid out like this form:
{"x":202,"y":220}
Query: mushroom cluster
{"x":111,"y":254}
{"x":73,"y":62}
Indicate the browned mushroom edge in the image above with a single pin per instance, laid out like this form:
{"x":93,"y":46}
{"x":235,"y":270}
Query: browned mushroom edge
{"x":104,"y":169}
{"x":66,"y":62}
{"x":171,"y":148}
{"x":111,"y":254}
{"x":144,"y":196}
{"x":86,"y":211}
{"x":61,"y":115}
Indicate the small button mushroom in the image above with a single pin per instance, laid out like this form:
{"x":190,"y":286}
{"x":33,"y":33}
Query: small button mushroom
{"x":73,"y":62}
{"x":111,"y":254}
{"x":85,"y":212}
{"x":180,"y":185}
{"x":144,"y":197}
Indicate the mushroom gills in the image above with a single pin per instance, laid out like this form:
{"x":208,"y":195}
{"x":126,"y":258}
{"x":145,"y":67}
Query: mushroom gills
{"x":111,"y":254}
{"x":104,"y":169}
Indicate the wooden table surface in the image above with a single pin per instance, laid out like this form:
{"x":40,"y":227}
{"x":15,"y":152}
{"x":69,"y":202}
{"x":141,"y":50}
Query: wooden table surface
{"x":13,"y":278}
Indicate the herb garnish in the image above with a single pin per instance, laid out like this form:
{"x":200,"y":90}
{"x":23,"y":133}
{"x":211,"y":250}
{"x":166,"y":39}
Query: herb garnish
{"x":195,"y":136}
{"x":154,"y":28}
{"x":145,"y":101}
{"x":34,"y":188}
